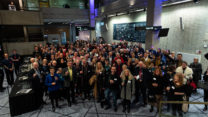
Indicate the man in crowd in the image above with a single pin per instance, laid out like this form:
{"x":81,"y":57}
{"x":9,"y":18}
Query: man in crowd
{"x":113,"y":83}
{"x":37,"y":81}
{"x":70,"y":82}
{"x":16,"y":60}
{"x":8,"y":67}
{"x":197,"y":70}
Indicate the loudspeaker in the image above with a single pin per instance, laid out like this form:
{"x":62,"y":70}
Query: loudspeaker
{"x":181,"y":23}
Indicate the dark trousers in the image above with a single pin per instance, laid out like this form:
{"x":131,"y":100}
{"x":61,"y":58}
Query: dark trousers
{"x":16,"y":66}
{"x":54,"y":97}
{"x":126,"y":104}
{"x":114,"y":95}
{"x":39,"y":95}
{"x":177,"y":108}
{"x":1,"y":78}
{"x":101,"y":95}
{"x":205,"y":96}
{"x":67,"y":94}
{"x":9,"y":76}
{"x":141,"y":90}
{"x":72,"y":91}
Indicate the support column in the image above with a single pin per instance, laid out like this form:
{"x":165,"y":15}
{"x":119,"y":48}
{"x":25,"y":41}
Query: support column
{"x":25,"y":33}
{"x":72,"y":33}
{"x":21,"y":5}
{"x":92,"y":19}
{"x":154,"y":10}
{"x":92,"y":13}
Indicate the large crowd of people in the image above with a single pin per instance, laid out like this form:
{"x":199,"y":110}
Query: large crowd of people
{"x":104,"y":71}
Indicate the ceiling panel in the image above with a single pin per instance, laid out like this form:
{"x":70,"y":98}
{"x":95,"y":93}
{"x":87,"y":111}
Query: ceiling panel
{"x":126,"y":5}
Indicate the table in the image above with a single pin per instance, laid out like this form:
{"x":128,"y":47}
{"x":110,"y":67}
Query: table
{"x":22,"y":103}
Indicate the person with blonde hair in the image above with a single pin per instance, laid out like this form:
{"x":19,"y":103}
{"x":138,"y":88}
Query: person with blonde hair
{"x":128,"y":89}
{"x":100,"y":73}
{"x":177,"y":90}
{"x":156,"y":88}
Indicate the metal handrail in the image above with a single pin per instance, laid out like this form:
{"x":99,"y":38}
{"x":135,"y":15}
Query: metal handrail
{"x":176,"y":102}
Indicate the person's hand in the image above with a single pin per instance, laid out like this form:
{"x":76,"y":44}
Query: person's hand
{"x":154,"y":84}
{"x":11,"y":69}
{"x":66,"y":73}
{"x":81,"y":72}
{"x":34,"y":75}
{"x":111,"y":81}
{"x":140,"y":80}
{"x":56,"y":78}
{"x":122,"y":84}
{"x":177,"y":93}
{"x":53,"y":83}
{"x":168,"y":88}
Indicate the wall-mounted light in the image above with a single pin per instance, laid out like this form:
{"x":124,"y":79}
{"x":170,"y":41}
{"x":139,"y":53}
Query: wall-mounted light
{"x":196,"y":1}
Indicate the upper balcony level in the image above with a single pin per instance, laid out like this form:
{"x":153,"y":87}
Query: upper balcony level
{"x":38,"y":12}
{"x":37,"y":4}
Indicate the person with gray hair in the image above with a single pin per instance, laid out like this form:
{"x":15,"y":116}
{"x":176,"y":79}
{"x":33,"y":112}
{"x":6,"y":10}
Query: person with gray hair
{"x":197,"y":70}
{"x":37,"y":82}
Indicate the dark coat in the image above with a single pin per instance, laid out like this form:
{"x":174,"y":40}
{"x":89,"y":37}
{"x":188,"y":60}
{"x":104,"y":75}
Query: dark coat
{"x":67,"y":78}
{"x":146,"y":76}
{"x":197,"y":70}
{"x":37,"y":81}
{"x":159,"y":89}
{"x":116,"y":84}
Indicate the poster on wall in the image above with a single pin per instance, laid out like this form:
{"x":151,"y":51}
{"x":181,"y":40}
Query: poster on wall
{"x":126,"y":31}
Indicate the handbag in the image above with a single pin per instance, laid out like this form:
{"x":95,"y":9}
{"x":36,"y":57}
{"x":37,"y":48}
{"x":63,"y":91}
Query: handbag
{"x":193,"y":85}
{"x":151,"y":98}
{"x":184,"y":105}
{"x":202,"y":84}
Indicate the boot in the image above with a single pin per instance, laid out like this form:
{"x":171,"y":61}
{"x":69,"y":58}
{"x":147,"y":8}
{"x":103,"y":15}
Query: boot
{"x":124,"y":106}
{"x":205,"y":108}
{"x":151,"y":109}
{"x":124,"y":109}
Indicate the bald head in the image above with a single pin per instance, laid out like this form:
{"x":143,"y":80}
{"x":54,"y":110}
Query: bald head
{"x":32,"y":60}
{"x":35,"y":65}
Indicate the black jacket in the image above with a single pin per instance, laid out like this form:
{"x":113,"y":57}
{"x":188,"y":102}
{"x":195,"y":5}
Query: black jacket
{"x":146,"y":75}
{"x":159,"y":89}
{"x":116,"y":84}
{"x":37,"y":81}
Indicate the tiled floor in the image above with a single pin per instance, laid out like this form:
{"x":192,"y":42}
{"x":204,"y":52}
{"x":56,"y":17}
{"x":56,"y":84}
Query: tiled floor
{"x":92,"y":109}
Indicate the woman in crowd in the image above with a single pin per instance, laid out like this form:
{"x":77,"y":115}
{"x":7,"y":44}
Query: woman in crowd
{"x":100,"y":73}
{"x":177,"y":90}
{"x":156,"y":88}
{"x":128,"y":89}
{"x":52,"y":81}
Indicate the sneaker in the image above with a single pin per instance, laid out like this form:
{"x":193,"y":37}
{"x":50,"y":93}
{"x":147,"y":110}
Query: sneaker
{"x":53,"y":109}
{"x":115,"y":109}
{"x":108,"y":107}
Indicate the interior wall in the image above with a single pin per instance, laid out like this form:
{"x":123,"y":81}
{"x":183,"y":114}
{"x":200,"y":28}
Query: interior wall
{"x":57,"y":30}
{"x":195,"y":33}
{"x":192,"y":38}
{"x":108,"y":33}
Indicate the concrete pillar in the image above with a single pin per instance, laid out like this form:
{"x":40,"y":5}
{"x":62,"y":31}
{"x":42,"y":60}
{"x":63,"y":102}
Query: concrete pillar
{"x":21,"y":5}
{"x":25,"y":33}
{"x":154,"y":10}
{"x":92,"y":13}
{"x":72,"y":33}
